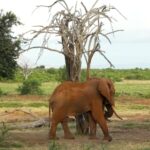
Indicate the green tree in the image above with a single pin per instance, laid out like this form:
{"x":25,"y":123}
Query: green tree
{"x":9,"y":44}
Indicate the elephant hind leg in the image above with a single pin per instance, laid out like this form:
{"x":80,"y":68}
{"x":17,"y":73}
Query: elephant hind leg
{"x":52,"y":132}
{"x":57,"y":117}
{"x":67,"y":133}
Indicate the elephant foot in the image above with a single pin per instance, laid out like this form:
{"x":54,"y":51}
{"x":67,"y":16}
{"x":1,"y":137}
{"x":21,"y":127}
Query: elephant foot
{"x":69,"y":137}
{"x":107,"y":138}
{"x":93,"y":138}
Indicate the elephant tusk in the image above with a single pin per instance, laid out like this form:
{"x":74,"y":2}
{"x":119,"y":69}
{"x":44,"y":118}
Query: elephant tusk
{"x":116,"y":113}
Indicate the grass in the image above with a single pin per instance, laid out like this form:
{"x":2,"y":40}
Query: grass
{"x":121,"y":145}
{"x":37,"y":105}
{"x":48,"y":87}
{"x":125,"y":88}
{"x":53,"y":145}
{"x":11,"y":104}
{"x":134,"y":89}
{"x":4,"y":138}
{"x":10,"y":145}
{"x":139,"y":107}
{"x":132,"y":125}
{"x":11,"y":88}
{"x":17,"y":104}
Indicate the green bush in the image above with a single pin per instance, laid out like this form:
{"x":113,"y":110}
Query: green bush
{"x":60,"y":74}
{"x":30,"y":87}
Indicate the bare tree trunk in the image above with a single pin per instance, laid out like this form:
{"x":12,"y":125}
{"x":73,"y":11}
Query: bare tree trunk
{"x":73,"y":68}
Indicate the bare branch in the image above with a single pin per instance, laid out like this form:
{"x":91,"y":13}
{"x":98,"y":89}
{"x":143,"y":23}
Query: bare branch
{"x":111,"y":65}
{"x":84,"y":7}
{"x":112,"y":7}
{"x":104,"y":35}
{"x":113,"y":31}
{"x":47,"y":48}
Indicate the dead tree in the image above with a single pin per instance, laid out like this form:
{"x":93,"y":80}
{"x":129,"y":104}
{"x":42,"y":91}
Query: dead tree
{"x":79,"y":31}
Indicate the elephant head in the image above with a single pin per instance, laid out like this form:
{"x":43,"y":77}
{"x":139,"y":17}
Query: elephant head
{"x":107,"y":91}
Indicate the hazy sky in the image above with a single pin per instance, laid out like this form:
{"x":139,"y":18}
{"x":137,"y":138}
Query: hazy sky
{"x":129,"y":49}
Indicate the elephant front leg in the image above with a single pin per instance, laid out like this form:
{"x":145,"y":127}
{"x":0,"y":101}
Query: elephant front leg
{"x":67,"y":133}
{"x":104,"y":128}
{"x":98,"y":115}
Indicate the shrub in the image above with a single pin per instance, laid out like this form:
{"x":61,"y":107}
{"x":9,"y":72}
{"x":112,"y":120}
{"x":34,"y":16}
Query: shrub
{"x":30,"y":87}
{"x":61,"y":74}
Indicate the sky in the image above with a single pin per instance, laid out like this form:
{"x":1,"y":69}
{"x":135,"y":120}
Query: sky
{"x":129,"y":49}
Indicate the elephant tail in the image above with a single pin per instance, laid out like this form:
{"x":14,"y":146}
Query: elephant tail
{"x":50,"y":110}
{"x":116,"y":113}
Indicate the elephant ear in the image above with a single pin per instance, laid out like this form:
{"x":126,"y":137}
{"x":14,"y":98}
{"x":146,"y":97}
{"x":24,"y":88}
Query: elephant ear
{"x":106,"y":89}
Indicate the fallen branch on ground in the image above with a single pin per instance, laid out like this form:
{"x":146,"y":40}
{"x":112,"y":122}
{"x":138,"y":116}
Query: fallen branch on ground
{"x":39,"y":122}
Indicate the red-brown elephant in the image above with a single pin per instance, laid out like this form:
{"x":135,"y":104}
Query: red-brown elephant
{"x":71,"y":99}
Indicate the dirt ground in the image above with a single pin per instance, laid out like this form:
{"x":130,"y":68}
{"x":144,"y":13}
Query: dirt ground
{"x":131,"y":133}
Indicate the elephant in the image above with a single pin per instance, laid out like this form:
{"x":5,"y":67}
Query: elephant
{"x":74,"y":98}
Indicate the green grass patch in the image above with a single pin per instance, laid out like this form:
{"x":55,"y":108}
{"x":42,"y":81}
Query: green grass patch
{"x":12,"y":88}
{"x":133,"y":125}
{"x":22,"y":104}
{"x":53,"y":145}
{"x":2,"y":93}
{"x":9,"y":88}
{"x":48,"y":87}
{"x":37,"y":105}
{"x":11,"y":104}
{"x":133,"y":89}
{"x":129,"y":125}
{"x":9,"y":145}
{"x":140,"y":107}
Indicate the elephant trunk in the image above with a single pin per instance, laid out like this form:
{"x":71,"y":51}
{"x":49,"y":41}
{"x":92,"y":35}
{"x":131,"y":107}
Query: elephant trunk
{"x":109,"y":111}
